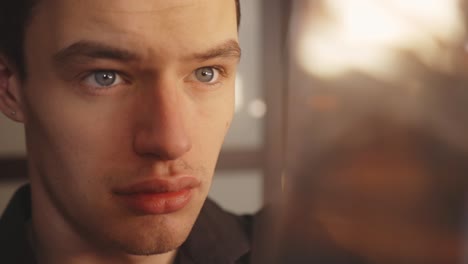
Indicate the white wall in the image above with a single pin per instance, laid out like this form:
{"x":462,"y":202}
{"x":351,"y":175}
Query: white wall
{"x":239,"y":192}
{"x":11,"y":138}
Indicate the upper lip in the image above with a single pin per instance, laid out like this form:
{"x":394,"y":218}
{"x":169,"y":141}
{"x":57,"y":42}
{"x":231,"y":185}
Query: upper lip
{"x":160,"y":185}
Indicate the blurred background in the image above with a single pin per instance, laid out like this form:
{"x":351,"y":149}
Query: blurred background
{"x":375,"y":111}
{"x":351,"y":127}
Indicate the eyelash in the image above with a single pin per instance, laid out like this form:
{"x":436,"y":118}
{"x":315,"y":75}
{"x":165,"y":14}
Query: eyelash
{"x":222,"y":70}
{"x":222,"y":73}
{"x":97,"y":90}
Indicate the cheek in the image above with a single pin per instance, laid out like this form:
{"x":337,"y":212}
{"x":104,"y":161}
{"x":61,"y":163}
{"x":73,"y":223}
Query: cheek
{"x":214,"y":120}
{"x":73,"y":136}
{"x":212,"y":140}
{"x":69,"y":123}
{"x":209,"y":128}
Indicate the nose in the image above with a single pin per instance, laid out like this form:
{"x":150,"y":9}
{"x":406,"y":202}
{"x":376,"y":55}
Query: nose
{"x":162,"y":133}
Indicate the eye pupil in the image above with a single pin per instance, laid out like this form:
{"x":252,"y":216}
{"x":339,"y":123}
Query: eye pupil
{"x":205,"y":74}
{"x":105,"y":78}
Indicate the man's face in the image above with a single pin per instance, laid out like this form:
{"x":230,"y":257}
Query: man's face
{"x":127,"y":105}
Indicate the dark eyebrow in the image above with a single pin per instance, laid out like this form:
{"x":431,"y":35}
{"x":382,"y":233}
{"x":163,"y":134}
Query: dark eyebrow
{"x":93,"y":50}
{"x":229,"y":48}
{"x":98,"y":50}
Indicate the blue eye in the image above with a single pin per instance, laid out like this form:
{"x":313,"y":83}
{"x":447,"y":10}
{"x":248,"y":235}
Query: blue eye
{"x":99,"y":79}
{"x":206,"y":74}
{"x":105,"y":78}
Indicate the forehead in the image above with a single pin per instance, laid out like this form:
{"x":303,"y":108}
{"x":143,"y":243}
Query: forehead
{"x":152,"y":26}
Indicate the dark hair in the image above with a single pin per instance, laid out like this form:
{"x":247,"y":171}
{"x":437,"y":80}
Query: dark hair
{"x":14,"y":18}
{"x":238,"y":12}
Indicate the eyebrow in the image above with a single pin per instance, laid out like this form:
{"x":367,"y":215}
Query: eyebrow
{"x":229,"y":48}
{"x":94,"y":50}
{"x":99,"y":50}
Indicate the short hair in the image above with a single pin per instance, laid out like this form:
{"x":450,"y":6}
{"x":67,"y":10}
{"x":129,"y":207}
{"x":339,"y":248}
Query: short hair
{"x":14,"y":18}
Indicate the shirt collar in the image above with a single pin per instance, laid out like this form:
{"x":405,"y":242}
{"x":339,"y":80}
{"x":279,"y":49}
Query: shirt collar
{"x":14,"y":241}
{"x":218,"y":236}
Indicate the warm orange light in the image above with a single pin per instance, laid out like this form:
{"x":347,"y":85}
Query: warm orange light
{"x":365,"y":35}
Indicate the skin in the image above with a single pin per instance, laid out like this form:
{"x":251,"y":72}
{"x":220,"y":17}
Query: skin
{"x":156,"y":120}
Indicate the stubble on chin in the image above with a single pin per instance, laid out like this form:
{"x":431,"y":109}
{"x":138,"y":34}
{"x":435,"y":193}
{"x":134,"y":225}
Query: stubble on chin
{"x":149,"y":234}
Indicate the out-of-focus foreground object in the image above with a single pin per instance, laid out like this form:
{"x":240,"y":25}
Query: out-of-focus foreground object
{"x":376,"y":156}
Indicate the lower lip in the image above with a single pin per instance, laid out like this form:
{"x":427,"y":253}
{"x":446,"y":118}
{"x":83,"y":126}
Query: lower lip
{"x":158,"y":203}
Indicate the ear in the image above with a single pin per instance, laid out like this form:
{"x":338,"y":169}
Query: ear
{"x":11,"y":104}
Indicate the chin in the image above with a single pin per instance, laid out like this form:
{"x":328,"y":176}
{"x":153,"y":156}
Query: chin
{"x":147,"y":248}
{"x":149,"y":235}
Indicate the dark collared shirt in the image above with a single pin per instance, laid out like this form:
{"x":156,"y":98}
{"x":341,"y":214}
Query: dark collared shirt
{"x":217,"y":237}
